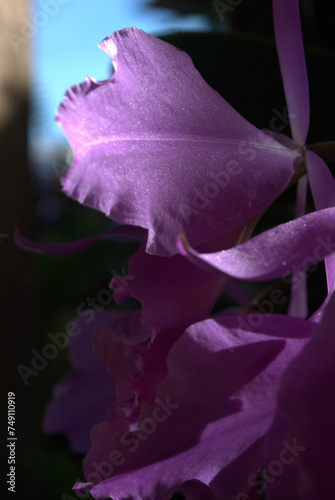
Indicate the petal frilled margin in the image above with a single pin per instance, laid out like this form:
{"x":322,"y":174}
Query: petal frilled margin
{"x":156,"y":147}
{"x":276,"y":253}
{"x":305,"y":421}
{"x":291,"y":55}
{"x":209,"y":417}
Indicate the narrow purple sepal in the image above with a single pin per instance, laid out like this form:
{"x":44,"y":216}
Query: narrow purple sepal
{"x":291,"y":55}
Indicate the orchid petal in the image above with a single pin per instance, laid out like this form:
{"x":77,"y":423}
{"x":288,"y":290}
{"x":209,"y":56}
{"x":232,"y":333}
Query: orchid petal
{"x":298,"y":301}
{"x":195,"y":490}
{"x":77,"y":404}
{"x":210,"y":414}
{"x":164,"y":150}
{"x":116,"y":345}
{"x":235,"y":291}
{"x":291,"y":55}
{"x":172,"y":292}
{"x":323,"y":189}
{"x":272,"y":254}
{"x":305,"y":419}
{"x":321,"y":181}
{"x":84,"y":396}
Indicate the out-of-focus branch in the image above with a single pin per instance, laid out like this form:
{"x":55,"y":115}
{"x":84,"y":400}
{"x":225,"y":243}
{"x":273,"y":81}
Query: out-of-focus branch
{"x":14,"y":58}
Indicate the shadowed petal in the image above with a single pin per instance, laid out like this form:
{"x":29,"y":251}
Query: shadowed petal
{"x":173,"y":293}
{"x":119,"y":345}
{"x":82,"y":398}
{"x":194,"y":490}
{"x":210,"y":413}
{"x":298,"y":301}
{"x":305,"y":420}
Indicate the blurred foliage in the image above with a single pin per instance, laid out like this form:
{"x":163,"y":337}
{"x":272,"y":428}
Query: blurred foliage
{"x":255,"y":16}
{"x":244,"y":69}
{"x":186,"y":7}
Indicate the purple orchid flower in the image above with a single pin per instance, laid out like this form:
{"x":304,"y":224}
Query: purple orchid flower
{"x":305,"y":413}
{"x":156,"y":125}
{"x":71,"y":411}
{"x":84,"y":396}
{"x":272,"y":254}
{"x":173,"y":292}
{"x":196,"y":409}
{"x":185,"y":437}
{"x":236,"y":262}
{"x":187,"y":432}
